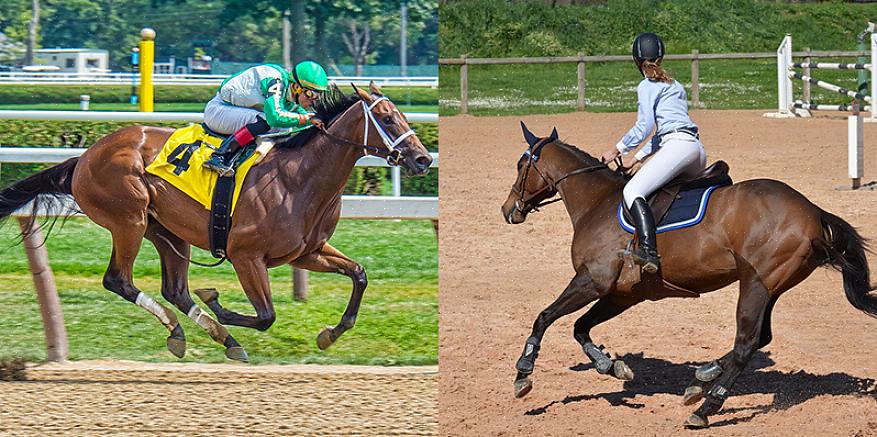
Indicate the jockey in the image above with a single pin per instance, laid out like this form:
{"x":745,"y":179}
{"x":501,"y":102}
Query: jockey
{"x":675,"y":146}
{"x":260,"y":98}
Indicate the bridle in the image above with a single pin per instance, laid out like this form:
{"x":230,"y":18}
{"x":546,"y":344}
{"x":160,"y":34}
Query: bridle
{"x":524,"y":205}
{"x":391,"y":154}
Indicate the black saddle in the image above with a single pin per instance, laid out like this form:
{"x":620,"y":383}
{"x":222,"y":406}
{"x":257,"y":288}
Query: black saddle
{"x":660,"y":201}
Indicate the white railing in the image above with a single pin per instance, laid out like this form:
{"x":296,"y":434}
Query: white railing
{"x":352,"y":206}
{"x":40,"y":78}
{"x":146,"y":117}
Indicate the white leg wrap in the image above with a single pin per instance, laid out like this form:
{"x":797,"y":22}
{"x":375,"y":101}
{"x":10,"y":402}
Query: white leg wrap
{"x":217,"y":332}
{"x":203,"y":320}
{"x":149,"y":304}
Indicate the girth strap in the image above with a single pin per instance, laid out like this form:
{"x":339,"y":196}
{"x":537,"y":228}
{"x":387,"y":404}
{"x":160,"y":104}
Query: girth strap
{"x":220,"y":215}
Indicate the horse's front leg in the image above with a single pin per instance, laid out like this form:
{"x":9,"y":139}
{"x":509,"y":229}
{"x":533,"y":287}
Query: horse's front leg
{"x":253,"y":275}
{"x":605,"y":309}
{"x":580,"y":292}
{"x":331,"y":260}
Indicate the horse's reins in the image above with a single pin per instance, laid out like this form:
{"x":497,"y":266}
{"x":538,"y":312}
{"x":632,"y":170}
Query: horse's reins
{"x":531,"y":163}
{"x":391,"y":154}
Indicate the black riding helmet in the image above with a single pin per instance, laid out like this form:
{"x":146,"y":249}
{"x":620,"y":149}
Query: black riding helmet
{"x":647,"y":47}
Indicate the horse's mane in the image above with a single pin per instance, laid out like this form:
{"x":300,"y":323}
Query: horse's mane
{"x":588,"y":159}
{"x":332,"y":103}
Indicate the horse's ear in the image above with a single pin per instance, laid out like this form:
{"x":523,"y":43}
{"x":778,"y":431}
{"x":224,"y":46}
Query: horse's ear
{"x":553,"y":135}
{"x":373,"y":87}
{"x":528,"y":136}
{"x":362,"y":94}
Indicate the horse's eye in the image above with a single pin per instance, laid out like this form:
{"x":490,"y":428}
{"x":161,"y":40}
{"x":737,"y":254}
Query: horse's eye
{"x":388,"y":120}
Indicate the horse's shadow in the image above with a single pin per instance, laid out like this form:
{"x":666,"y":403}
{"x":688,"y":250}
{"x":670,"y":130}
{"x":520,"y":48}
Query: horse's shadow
{"x":657,"y":376}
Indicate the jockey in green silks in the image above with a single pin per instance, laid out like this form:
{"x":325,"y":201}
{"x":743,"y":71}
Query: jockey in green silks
{"x":258,"y":99}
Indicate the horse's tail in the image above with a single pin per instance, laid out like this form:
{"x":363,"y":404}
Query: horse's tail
{"x":846,"y":248}
{"x":54,"y":181}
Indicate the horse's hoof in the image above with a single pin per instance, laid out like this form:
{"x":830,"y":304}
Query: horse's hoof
{"x":622,"y":371}
{"x":207,"y":295}
{"x":237,"y":353}
{"x":522,"y":387}
{"x":695,"y":421}
{"x":693,"y":394}
{"x":177,"y":346}
{"x":326,"y":338}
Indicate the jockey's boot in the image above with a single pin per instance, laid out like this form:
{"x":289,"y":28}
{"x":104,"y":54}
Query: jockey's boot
{"x":646,"y":253}
{"x":220,"y":161}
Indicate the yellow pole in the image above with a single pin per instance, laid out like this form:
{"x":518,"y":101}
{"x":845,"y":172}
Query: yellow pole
{"x":147,"y":57}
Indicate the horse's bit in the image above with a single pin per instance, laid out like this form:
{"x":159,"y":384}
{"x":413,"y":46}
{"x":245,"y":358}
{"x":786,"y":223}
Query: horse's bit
{"x":549,"y":185}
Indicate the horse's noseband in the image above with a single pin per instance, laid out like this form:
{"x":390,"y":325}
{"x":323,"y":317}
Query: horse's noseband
{"x":524,"y":206}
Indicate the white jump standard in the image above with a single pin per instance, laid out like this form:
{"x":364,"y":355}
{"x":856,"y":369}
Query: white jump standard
{"x":789,"y":107}
{"x":797,"y":108}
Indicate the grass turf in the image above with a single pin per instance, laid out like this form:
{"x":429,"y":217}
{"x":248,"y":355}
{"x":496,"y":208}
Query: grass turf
{"x":611,"y":86}
{"x":397,"y":324}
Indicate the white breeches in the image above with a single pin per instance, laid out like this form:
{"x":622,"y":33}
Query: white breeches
{"x":680,"y":153}
{"x":227,"y":119}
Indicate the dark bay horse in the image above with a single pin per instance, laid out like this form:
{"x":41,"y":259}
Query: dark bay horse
{"x":288,"y":208}
{"x":759,"y":232}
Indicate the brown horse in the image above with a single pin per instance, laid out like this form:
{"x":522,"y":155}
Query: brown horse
{"x":760,"y":232}
{"x":288,"y":208}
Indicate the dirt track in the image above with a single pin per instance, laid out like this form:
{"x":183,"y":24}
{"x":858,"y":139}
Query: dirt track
{"x":125,"y":398}
{"x":816,"y":378}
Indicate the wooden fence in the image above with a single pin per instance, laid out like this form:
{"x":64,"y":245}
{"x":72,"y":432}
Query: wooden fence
{"x":581,"y":60}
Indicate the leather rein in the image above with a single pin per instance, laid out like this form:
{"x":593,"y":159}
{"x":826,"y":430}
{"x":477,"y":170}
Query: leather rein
{"x":390,"y":153}
{"x":521,"y":203}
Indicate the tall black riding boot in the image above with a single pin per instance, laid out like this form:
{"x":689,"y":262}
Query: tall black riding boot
{"x":220,"y":160}
{"x":646,"y":254}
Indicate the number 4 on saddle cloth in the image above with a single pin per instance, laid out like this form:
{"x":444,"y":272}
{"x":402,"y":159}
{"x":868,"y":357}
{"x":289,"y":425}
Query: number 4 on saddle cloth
{"x":681,"y":203}
{"x":180,"y":163}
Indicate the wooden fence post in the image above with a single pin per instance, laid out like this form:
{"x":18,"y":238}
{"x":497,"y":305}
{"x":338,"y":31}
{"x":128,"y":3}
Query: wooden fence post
{"x":695,"y":79}
{"x":299,"y":284}
{"x":581,"y":82}
{"x":464,"y":87}
{"x":47,"y":293}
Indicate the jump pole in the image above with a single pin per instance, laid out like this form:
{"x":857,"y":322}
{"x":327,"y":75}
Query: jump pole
{"x":856,"y":147}
{"x":147,"y":58}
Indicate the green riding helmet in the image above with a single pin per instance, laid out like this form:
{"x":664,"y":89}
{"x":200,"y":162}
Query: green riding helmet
{"x":309,"y":74}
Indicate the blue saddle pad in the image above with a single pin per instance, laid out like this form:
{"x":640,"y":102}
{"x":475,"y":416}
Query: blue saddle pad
{"x":687,"y":210}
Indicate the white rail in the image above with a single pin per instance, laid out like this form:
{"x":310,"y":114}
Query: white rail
{"x":146,"y":117}
{"x":38,"y":78}
{"x":395,"y":207}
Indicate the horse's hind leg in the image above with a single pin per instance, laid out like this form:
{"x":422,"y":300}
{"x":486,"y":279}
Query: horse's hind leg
{"x":331,"y":260}
{"x":580,"y":292}
{"x":705,"y":376}
{"x":605,"y":309}
{"x":752,"y":308}
{"x":175,"y":287}
{"x":119,"y":279}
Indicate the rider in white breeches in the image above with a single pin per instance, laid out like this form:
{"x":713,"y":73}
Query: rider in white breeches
{"x":679,"y":154}
{"x":675,"y":147}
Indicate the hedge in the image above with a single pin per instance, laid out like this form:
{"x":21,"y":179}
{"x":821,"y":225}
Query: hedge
{"x":83,"y":134}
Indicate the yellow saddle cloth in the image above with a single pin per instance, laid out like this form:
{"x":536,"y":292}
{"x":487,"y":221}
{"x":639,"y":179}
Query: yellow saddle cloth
{"x":180,"y":163}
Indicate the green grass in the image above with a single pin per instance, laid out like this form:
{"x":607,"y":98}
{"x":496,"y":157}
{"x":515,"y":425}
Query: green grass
{"x":159,"y":107}
{"x":397,"y":324}
{"x":611,"y":86}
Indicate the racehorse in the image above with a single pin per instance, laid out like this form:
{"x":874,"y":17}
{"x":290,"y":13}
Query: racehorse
{"x":759,"y":232}
{"x":288,"y":208}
